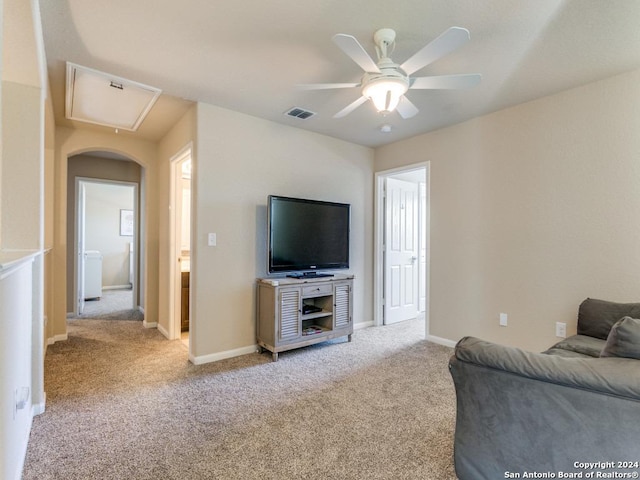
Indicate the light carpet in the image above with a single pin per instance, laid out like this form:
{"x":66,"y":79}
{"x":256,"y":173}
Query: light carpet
{"x":124,"y":403}
{"x":112,"y":305}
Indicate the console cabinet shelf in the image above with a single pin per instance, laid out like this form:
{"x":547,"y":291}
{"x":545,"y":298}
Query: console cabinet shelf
{"x":294,"y":313}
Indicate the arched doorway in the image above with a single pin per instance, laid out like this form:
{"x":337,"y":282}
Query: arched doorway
{"x":104,"y":247}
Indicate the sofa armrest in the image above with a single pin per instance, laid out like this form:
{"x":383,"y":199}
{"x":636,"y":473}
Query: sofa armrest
{"x":529,"y":412}
{"x":613,"y":376}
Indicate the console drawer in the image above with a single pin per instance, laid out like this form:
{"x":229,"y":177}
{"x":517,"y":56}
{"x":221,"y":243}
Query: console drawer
{"x":317,"y":290}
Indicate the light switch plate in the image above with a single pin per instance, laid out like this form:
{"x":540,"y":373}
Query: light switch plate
{"x":503,"y":319}
{"x":212,"y":240}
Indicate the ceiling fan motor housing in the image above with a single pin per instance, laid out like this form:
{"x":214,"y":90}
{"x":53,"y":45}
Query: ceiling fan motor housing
{"x":386,"y":75}
{"x":384,"y":89}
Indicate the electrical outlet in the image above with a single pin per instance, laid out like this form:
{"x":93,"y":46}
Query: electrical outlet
{"x":503,"y":319}
{"x":561,"y":330}
{"x":212,"y":240}
{"x":21,"y":397}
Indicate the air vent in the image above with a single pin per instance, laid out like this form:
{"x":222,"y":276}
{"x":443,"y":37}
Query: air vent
{"x":300,"y":113}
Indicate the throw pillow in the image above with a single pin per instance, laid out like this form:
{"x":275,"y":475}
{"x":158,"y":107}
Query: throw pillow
{"x":624,"y":339}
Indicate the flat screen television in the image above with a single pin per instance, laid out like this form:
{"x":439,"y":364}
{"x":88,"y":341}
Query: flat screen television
{"x":307,"y":236}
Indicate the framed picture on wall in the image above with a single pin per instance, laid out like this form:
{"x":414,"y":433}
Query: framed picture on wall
{"x":126,"y":223}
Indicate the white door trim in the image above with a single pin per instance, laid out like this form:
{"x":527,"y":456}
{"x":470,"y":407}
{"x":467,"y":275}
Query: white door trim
{"x":78,"y":279}
{"x":174,"y":280}
{"x":78,"y":221}
{"x":378,"y":273}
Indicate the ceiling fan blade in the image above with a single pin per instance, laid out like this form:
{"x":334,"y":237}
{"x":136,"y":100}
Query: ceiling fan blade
{"x":326,"y":86}
{"x":447,"y":82}
{"x":349,"y":45}
{"x":406,"y":108}
{"x":351,"y":107}
{"x":446,"y":43}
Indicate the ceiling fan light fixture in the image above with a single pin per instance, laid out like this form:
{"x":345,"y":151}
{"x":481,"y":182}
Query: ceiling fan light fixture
{"x":385,"y":92}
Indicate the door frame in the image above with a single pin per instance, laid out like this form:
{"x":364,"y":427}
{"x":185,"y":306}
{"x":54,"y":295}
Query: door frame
{"x":80,"y":212}
{"x":378,"y":238}
{"x":79,"y":223}
{"x":174,"y":280}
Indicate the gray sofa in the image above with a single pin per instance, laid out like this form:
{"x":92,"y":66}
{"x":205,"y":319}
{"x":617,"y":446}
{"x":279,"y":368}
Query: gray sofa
{"x":574,"y":408}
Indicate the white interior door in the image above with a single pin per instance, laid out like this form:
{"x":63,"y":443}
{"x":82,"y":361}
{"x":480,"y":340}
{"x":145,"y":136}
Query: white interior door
{"x":401,"y":251}
{"x":82,"y":195}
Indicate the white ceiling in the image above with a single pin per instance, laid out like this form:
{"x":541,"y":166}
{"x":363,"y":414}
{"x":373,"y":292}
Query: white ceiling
{"x":248,"y":55}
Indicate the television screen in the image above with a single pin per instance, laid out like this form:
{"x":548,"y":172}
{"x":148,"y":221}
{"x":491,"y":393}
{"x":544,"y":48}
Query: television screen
{"x":307,"y":235}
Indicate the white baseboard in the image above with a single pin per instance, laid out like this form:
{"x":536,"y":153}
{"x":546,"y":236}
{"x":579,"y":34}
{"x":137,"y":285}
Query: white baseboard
{"x":441,"y":341}
{"x":57,"y":338}
{"x":163,"y":331}
{"x":214,"y":357}
{"x":361,"y":325}
{"x":117,"y":287}
{"x":38,"y":408}
{"x":146,"y":324}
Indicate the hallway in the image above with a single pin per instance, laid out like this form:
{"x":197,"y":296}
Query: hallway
{"x":113,"y":305}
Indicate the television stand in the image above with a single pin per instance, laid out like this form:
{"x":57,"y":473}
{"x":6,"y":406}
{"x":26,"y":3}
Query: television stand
{"x":294,"y":313}
{"x":309,"y":275}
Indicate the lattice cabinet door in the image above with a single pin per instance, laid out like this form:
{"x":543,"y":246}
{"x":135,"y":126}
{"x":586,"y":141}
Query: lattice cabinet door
{"x":289,"y":314}
{"x":342,"y":307}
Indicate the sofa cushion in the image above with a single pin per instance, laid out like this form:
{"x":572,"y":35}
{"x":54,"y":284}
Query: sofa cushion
{"x":596,"y":317}
{"x":560,"y":352}
{"x":577,"y":345}
{"x":624,"y":339}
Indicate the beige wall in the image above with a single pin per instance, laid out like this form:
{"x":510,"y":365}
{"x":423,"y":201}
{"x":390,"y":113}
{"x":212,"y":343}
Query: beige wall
{"x":533,"y":209}
{"x":240,"y":161}
{"x":22,"y":208}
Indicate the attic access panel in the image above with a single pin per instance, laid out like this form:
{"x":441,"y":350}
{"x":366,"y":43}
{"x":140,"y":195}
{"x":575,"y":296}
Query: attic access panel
{"x":102,"y":99}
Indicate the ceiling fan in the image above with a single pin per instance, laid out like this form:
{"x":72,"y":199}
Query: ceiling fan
{"x":385,"y":82}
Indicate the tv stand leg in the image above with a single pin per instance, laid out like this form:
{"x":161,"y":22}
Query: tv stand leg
{"x":274,"y":356}
{"x":349,"y":338}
